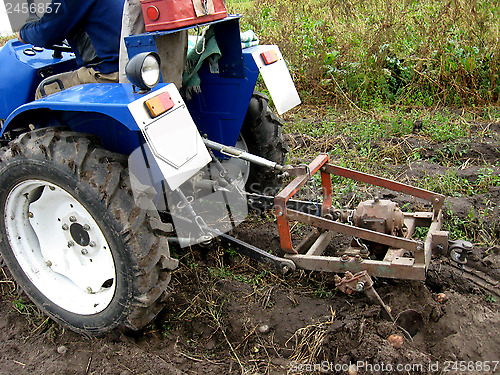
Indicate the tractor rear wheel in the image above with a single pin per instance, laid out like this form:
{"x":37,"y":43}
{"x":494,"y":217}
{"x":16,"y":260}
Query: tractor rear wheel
{"x":74,"y":239}
{"x":262,"y":132}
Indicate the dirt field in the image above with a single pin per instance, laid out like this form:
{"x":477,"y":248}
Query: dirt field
{"x":228,"y":315}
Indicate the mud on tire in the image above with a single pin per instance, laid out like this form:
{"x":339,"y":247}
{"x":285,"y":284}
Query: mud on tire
{"x":262,"y":131}
{"x":122,"y":239}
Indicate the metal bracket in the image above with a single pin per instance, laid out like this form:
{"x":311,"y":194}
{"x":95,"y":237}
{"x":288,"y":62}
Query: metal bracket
{"x":459,"y":250}
{"x":361,"y":282}
{"x":281,"y":265}
{"x":295,"y":171}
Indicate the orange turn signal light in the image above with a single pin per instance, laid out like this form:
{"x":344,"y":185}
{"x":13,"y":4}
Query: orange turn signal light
{"x":159,"y":104}
{"x":269,"y":57}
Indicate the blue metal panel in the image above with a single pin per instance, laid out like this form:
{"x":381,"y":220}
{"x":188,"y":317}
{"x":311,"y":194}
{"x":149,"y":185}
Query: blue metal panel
{"x":21,"y":73}
{"x":228,"y":38}
{"x":227,"y":33}
{"x":137,"y":44}
{"x":250,"y":65}
{"x":113,"y":134}
{"x":220,"y":108}
{"x":107,"y":98}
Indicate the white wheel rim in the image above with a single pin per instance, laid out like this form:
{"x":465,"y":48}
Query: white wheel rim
{"x":60,"y":247}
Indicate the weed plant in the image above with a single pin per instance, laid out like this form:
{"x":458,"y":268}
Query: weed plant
{"x":372,"y":52}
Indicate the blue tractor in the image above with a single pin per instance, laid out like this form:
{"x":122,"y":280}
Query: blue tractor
{"x":94,"y":178}
{"x":76,"y":233}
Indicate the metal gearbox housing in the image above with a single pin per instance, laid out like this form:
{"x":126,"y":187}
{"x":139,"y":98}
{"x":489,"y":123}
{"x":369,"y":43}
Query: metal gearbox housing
{"x":380,"y":215}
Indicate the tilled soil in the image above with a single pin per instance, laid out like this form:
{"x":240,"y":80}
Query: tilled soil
{"x":231,"y":316}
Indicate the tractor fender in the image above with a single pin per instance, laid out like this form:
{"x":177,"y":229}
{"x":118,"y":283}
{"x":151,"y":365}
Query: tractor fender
{"x":274,"y":71}
{"x":99,"y":109}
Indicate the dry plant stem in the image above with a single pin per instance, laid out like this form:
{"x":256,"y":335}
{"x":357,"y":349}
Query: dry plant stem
{"x":40,"y":326}
{"x":217,"y":320}
{"x":347,"y":98}
{"x":308,"y":341}
{"x":246,"y":338}
{"x":88,"y":365}
{"x":171,"y":369}
{"x":8,"y":281}
{"x":195,"y":300}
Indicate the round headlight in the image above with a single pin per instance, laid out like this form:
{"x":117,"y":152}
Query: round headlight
{"x":143,"y":70}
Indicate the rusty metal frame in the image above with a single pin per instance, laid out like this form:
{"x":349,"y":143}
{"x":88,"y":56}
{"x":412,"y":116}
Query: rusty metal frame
{"x":394,"y":264}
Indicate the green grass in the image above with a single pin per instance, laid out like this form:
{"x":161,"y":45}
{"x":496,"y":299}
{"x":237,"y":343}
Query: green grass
{"x":228,"y":273}
{"x":386,"y":141}
{"x":366,"y":129}
{"x":239,"y":6}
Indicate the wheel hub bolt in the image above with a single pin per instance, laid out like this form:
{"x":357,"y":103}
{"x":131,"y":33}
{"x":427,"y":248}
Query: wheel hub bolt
{"x":52,"y":188}
{"x":89,"y":290}
{"x":65,"y":227}
{"x":49,"y":263}
{"x":86,"y":227}
{"x":71,"y":243}
{"x":92,"y":244}
{"x":72,"y":219}
{"x":30,"y":215}
{"x":85,"y":251}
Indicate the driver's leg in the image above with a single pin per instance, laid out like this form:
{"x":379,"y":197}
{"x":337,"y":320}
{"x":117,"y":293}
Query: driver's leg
{"x":52,"y":84}
{"x":81,"y":76}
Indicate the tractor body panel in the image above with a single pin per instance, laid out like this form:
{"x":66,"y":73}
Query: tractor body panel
{"x":28,"y":66}
{"x":272,"y":67}
{"x":175,"y":150}
{"x":220,"y":108}
{"x":99,"y":109}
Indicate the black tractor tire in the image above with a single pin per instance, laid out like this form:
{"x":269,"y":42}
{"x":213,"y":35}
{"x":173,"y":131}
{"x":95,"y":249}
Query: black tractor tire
{"x":98,"y":180}
{"x":262,"y":132}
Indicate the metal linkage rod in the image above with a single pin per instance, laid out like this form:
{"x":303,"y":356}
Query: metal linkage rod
{"x":237,"y":153}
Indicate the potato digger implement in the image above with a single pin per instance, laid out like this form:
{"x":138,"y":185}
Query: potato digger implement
{"x":97,"y":180}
